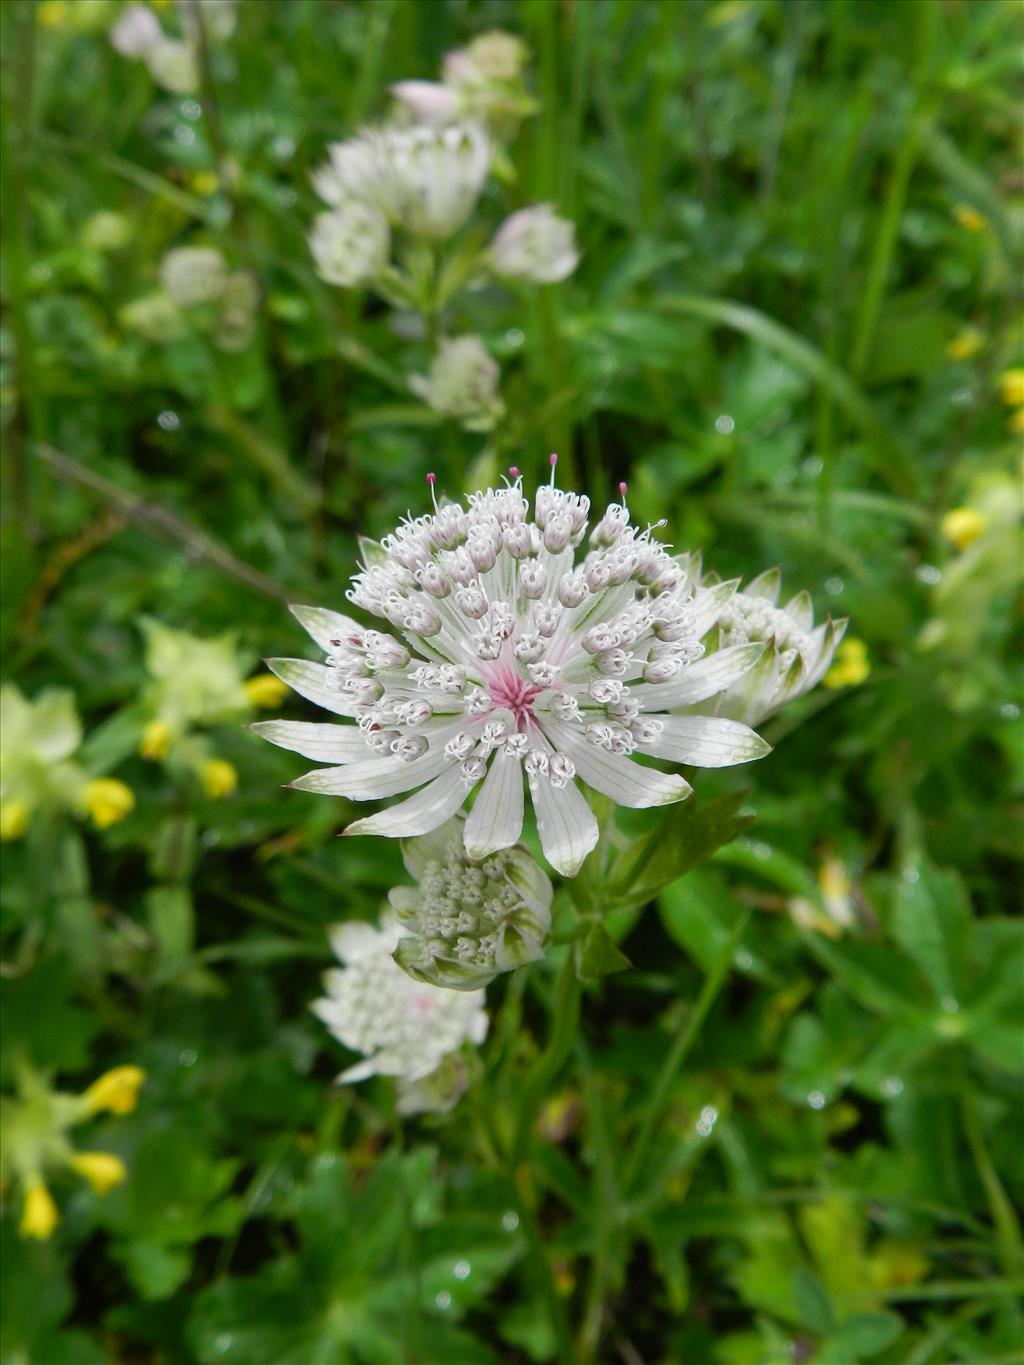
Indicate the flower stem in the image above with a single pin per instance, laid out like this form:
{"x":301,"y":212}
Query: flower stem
{"x":681,"y":1044}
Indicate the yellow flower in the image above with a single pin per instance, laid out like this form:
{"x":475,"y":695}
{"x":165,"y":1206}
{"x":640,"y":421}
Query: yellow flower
{"x":116,"y":1090}
{"x":851,"y":666}
{"x":39,"y":1216}
{"x":962,"y":526}
{"x":13,"y":819}
{"x":108,"y":801}
{"x":103,"y":1170}
{"x":266,"y":691}
{"x":219,"y":778}
{"x":205,"y":183}
{"x":965,"y":344}
{"x":970,"y":218}
{"x":52,"y":14}
{"x":156,"y":740}
{"x":1011,"y":385}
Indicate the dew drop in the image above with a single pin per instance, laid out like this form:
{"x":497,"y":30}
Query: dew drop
{"x":1009,"y":711}
{"x":816,"y":1099}
{"x":187,"y":1056}
{"x":191,"y":109}
{"x":168,"y":421}
{"x":928,"y":573}
{"x":461,"y":1270}
{"x":515,"y":336}
{"x":222,"y":1343}
{"x":949,"y":1005}
{"x":510,"y":1220}
{"x":184,"y":135}
{"x":743,"y":960}
{"x":443,"y":1300}
{"x":813,"y":465}
{"x":892,"y":1086}
{"x":911,"y":874}
{"x":325,"y":1161}
{"x":834,"y":586}
{"x":725,"y":425}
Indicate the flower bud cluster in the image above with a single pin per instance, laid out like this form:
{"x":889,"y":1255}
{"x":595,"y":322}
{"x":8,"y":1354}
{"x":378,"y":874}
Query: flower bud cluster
{"x":469,"y":921}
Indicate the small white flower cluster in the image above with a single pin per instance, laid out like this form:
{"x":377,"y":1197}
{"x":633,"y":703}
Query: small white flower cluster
{"x":173,"y":62}
{"x":196,"y":281}
{"x":469,"y":921}
{"x":413,"y":1032}
{"x":463,"y":383}
{"x":481,"y":81}
{"x":516,"y":661}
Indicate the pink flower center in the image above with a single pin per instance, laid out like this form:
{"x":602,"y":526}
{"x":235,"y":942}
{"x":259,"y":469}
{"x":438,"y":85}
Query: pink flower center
{"x":515,"y":693}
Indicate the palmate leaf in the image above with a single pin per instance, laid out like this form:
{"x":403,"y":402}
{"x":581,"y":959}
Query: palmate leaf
{"x":378,"y":1278}
{"x":684,"y":836}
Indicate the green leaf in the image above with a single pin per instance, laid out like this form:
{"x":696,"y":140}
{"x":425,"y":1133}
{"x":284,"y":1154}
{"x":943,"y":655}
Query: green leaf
{"x":172,"y":920}
{"x":154,"y":1269}
{"x":597,"y":955}
{"x":932,"y":922}
{"x":866,"y":1335}
{"x":685,"y":835}
{"x":813,"y":1303}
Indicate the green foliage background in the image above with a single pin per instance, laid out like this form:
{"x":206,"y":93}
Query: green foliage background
{"x":770,"y":199}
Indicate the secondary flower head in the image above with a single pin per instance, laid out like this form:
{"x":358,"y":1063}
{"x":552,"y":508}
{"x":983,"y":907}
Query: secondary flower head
{"x":535,"y":245}
{"x":350,"y":244}
{"x":136,"y":32}
{"x":425,"y":180}
{"x":520,"y":657}
{"x":194,"y":275}
{"x":467,"y":921}
{"x":796,"y":653}
{"x":403,"y":1028}
{"x":463,"y":383}
{"x":37,"y":741}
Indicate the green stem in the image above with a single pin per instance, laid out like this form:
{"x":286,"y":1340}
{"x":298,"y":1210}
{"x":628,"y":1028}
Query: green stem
{"x":554,"y":1056}
{"x":676,"y":1055}
{"x":605,"y":1211}
{"x":1008,"y":1234}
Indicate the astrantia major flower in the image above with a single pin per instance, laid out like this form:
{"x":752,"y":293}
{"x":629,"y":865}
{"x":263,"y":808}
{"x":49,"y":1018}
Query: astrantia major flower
{"x":423,"y":179}
{"x":535,"y":245}
{"x":519,"y":660}
{"x":797,"y":653}
{"x":403,"y":1028}
{"x":465,"y":921}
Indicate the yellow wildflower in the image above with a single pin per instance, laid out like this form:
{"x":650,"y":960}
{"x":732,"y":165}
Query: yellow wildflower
{"x":39,"y":1216}
{"x":116,"y":1090}
{"x":13,"y":819}
{"x":851,"y":666}
{"x":52,"y":14}
{"x":969,"y":218}
{"x":107,"y":800}
{"x":103,"y":1170}
{"x":219,"y":778}
{"x":266,"y":691}
{"x":156,"y":740}
{"x":1011,"y":385}
{"x":962,"y":526}
{"x":205,"y":183}
{"x":965,"y":344}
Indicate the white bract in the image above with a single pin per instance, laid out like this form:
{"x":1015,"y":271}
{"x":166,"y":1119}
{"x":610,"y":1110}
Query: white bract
{"x":350,"y":244}
{"x":424,"y":179}
{"x":535,"y":245}
{"x":797,"y":653}
{"x":403,"y":1028}
{"x":428,"y":101}
{"x":516,"y":656}
{"x":463,"y":383}
{"x":469,"y":921}
{"x":194,"y":275}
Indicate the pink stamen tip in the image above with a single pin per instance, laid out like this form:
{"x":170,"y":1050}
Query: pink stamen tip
{"x":431,"y":479}
{"x":552,"y":459}
{"x":515,"y":471}
{"x":622,"y":490}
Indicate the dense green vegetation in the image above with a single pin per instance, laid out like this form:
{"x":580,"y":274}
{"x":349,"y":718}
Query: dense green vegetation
{"x":791,"y":1129}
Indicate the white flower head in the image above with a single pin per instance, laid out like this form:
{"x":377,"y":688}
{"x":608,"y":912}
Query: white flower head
{"x":463,"y":383}
{"x":469,"y":921}
{"x":172,"y":64}
{"x":136,"y":31}
{"x":535,"y":245}
{"x":521,"y":657}
{"x":797,"y":654}
{"x":194,"y":275}
{"x":492,"y":58}
{"x":423,"y":179}
{"x":402,"y":1027}
{"x":350,"y":244}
